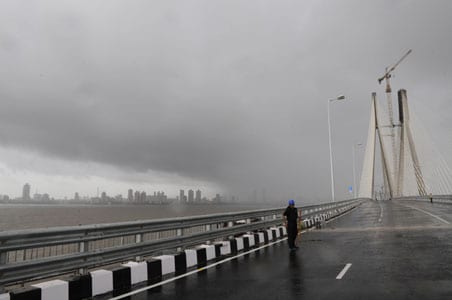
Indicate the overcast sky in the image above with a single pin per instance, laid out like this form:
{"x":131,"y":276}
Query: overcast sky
{"x":226,"y":96}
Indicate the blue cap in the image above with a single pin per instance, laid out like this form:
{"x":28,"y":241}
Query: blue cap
{"x":291,"y":202}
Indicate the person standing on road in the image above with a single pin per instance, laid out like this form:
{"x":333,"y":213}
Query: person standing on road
{"x":290,"y":216}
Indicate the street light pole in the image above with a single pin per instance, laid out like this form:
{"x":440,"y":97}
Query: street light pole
{"x":354,"y":171}
{"x":331,"y":150}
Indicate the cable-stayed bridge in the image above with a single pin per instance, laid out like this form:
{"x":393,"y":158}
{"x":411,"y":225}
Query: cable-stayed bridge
{"x":411,"y":164}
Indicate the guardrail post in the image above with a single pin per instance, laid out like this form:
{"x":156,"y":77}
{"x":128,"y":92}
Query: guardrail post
{"x":2,"y":262}
{"x":230,"y":224}
{"x":138,"y":239}
{"x":207,"y":227}
{"x":82,"y":248}
{"x":179,"y":232}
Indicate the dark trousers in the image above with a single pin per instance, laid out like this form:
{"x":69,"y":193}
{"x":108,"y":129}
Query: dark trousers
{"x":292,"y":232}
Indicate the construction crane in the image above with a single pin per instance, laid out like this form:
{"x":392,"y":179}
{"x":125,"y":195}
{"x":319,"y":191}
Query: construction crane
{"x":387,"y":75}
{"x":393,"y":169}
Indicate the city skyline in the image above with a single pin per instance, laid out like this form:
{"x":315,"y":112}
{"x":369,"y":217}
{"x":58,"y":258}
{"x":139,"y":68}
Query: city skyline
{"x":131,"y":195}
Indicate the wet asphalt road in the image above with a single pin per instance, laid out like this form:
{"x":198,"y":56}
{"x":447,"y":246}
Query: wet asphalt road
{"x":398,"y":250}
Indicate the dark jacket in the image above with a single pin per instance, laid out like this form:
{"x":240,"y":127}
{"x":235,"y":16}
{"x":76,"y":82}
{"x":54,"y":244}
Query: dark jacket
{"x":291,"y":214}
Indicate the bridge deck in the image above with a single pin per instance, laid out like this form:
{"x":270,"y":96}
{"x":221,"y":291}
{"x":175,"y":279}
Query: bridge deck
{"x":398,"y":250}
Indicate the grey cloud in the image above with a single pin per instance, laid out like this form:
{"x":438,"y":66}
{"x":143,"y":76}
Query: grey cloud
{"x":230,"y":92}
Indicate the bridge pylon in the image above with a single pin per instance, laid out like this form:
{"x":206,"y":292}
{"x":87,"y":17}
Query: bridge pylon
{"x":396,"y":145}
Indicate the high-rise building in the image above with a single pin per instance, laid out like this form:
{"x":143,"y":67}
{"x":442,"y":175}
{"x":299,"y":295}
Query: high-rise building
{"x":217,"y":199}
{"x":104,"y":197}
{"x":130,"y":195}
{"x":143,"y":197}
{"x":198,"y":196}
{"x":26,"y":192}
{"x":76,"y":197}
{"x":137,"y":196}
{"x":181,"y":196}
{"x":191,"y":196}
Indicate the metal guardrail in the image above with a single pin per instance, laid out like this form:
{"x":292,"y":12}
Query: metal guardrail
{"x":435,"y":198}
{"x":39,"y":253}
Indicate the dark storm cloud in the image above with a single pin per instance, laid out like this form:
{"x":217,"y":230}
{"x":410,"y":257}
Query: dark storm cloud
{"x":232,"y":92}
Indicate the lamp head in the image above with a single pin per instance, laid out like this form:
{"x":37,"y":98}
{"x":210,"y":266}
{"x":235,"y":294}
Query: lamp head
{"x":340,"y":97}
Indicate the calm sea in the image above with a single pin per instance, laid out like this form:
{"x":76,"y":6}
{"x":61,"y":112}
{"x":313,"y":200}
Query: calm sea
{"x":14,"y":217}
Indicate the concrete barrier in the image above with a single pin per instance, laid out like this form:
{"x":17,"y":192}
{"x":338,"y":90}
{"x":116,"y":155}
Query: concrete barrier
{"x":168,"y":265}
{"x":265,"y":234}
{"x":257,"y":239}
{"x":154,"y":270}
{"x":122,"y":279}
{"x":138,"y":271}
{"x":210,"y":251}
{"x":217,"y":250}
{"x":53,"y":290}
{"x":276,"y":233}
{"x":5,"y":297}
{"x":80,"y":287}
{"x":29,"y":293}
{"x":270,"y":235}
{"x":191,"y":258}
{"x":233,"y":244}
{"x":246,"y":243}
{"x":251,"y":240}
{"x":201,"y":256}
{"x":180,"y":262}
{"x":225,"y":247}
{"x":240,"y":245}
{"x":282,"y":231}
{"x":102,"y":282}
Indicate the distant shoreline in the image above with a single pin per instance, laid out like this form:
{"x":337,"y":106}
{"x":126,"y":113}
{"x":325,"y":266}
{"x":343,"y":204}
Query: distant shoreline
{"x":80,"y":203}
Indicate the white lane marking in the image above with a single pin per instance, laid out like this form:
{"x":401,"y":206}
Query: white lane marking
{"x":430,"y":214}
{"x":344,"y":270}
{"x":214,"y":264}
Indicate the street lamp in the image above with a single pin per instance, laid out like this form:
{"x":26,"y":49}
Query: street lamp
{"x":354,"y":171}
{"x":341,"y":97}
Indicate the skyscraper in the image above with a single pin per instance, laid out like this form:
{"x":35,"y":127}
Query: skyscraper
{"x":26,"y":192}
{"x":181,"y":196}
{"x":191,"y":196}
{"x":130,"y":195}
{"x":198,"y":196}
{"x":143,"y":197}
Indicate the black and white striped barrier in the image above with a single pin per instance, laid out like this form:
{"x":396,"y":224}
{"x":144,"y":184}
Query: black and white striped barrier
{"x":225,"y":248}
{"x":138,"y":270}
{"x":120,"y":279}
{"x":4,"y":297}
{"x":270,"y":235}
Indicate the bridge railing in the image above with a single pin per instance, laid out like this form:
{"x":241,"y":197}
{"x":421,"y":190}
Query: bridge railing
{"x":40,"y":253}
{"x":435,"y":198}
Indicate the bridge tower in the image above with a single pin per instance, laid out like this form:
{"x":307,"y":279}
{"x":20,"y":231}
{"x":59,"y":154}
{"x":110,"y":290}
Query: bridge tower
{"x":399,"y":158}
{"x":395,"y":143}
